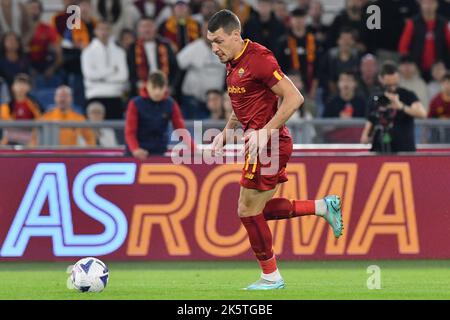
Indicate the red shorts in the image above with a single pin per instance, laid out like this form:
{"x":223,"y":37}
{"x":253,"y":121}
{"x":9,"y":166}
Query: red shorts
{"x":267,"y":176}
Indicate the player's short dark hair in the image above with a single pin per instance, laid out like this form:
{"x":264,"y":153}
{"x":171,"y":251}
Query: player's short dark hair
{"x":446,"y":77}
{"x":224,"y":19}
{"x":388,"y":68}
{"x":158,"y":79}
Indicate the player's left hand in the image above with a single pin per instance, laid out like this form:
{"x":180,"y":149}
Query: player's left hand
{"x":255,"y":141}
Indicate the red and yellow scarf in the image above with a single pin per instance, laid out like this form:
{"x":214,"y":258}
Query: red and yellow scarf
{"x":142,"y":65}
{"x":171,"y":30}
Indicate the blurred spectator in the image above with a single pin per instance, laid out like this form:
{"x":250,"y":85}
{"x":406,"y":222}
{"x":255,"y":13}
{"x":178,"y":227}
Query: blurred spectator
{"x":264,"y":27}
{"x":227,"y":107}
{"x":105,"y":71}
{"x":150,"y":53}
{"x":181,"y":29}
{"x":195,"y":6}
{"x":316,"y":25}
{"x":307,"y":111}
{"x":297,"y":51}
{"x":351,"y":17}
{"x":204,"y":72}
{"x":392,"y":110}
{"x":120,"y":14}
{"x":207,"y":9}
{"x":74,"y":41}
{"x":440,"y":105}
{"x":368,"y":75}
{"x":410,"y":79}
{"x":301,"y":4}
{"x":148,"y":117}
{"x":346,"y":104}
{"x":444,"y":8}
{"x":241,"y":8}
{"x":63,"y":112}
{"x":12,"y":58}
{"x":438,"y":71}
{"x":104,"y":137}
{"x":44,"y":49}
{"x":281,"y":10}
{"x":384,"y":41}
{"x":214,"y":103}
{"x":126,"y":39}
{"x":21,"y":107}
{"x":426,"y":37}
{"x":5,"y":97}
{"x":309,"y":108}
{"x":13,"y":17}
{"x":344,"y":57}
{"x":59,"y":19}
{"x":150,"y":8}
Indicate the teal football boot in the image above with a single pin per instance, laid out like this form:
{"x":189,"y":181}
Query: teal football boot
{"x":334,"y":214}
{"x":263,"y":284}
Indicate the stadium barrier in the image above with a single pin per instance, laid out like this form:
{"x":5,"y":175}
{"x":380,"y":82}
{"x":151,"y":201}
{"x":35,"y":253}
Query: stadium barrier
{"x":323,"y":131}
{"x":59,"y":208}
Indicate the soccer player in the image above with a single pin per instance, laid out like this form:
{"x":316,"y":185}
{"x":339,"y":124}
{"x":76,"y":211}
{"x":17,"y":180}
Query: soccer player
{"x":256,"y":85}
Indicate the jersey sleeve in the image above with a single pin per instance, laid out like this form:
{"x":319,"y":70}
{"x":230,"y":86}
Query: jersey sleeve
{"x":267,"y":70}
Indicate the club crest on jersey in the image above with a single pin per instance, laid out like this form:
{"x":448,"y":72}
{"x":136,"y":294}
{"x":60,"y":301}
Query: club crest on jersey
{"x":241,"y":72}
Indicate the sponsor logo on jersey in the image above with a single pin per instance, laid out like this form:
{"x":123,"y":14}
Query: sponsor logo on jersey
{"x":237,"y":90}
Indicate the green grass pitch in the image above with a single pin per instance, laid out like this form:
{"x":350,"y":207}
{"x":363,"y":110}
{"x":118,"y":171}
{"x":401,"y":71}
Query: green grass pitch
{"x":224,"y":280}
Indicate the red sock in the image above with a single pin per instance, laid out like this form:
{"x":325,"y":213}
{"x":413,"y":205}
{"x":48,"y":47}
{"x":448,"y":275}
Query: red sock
{"x":281,"y":208}
{"x":268,"y":266}
{"x":259,"y":235}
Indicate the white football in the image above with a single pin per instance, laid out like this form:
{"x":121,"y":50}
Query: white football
{"x":90,"y":275}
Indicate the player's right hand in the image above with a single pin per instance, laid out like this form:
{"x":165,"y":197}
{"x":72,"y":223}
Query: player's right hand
{"x":217,"y":144}
{"x":140,"y":154}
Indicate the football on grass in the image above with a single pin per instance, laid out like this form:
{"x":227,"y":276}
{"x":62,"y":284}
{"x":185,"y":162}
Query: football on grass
{"x":90,"y":275}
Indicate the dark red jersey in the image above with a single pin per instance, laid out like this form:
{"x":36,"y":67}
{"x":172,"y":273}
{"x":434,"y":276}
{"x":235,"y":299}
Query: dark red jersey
{"x":250,"y":77}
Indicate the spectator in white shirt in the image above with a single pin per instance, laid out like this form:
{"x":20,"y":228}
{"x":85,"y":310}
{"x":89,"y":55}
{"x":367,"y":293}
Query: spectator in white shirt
{"x":410,"y":79}
{"x":105,"y":71}
{"x":204,"y":72}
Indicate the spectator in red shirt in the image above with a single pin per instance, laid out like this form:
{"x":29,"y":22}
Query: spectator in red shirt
{"x":148,"y":117}
{"x":440,"y":105}
{"x":426,"y":38}
{"x":44,"y":48}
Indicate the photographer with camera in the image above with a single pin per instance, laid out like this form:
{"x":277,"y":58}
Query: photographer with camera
{"x":392,"y":109}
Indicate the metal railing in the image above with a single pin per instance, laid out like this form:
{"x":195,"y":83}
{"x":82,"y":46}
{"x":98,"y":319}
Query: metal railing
{"x":320,"y":131}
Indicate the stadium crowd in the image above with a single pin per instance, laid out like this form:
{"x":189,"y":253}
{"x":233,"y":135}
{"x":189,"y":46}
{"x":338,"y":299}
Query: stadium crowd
{"x":51,"y":72}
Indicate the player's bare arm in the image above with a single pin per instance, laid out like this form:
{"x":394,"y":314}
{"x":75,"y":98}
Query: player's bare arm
{"x":291,"y":100}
